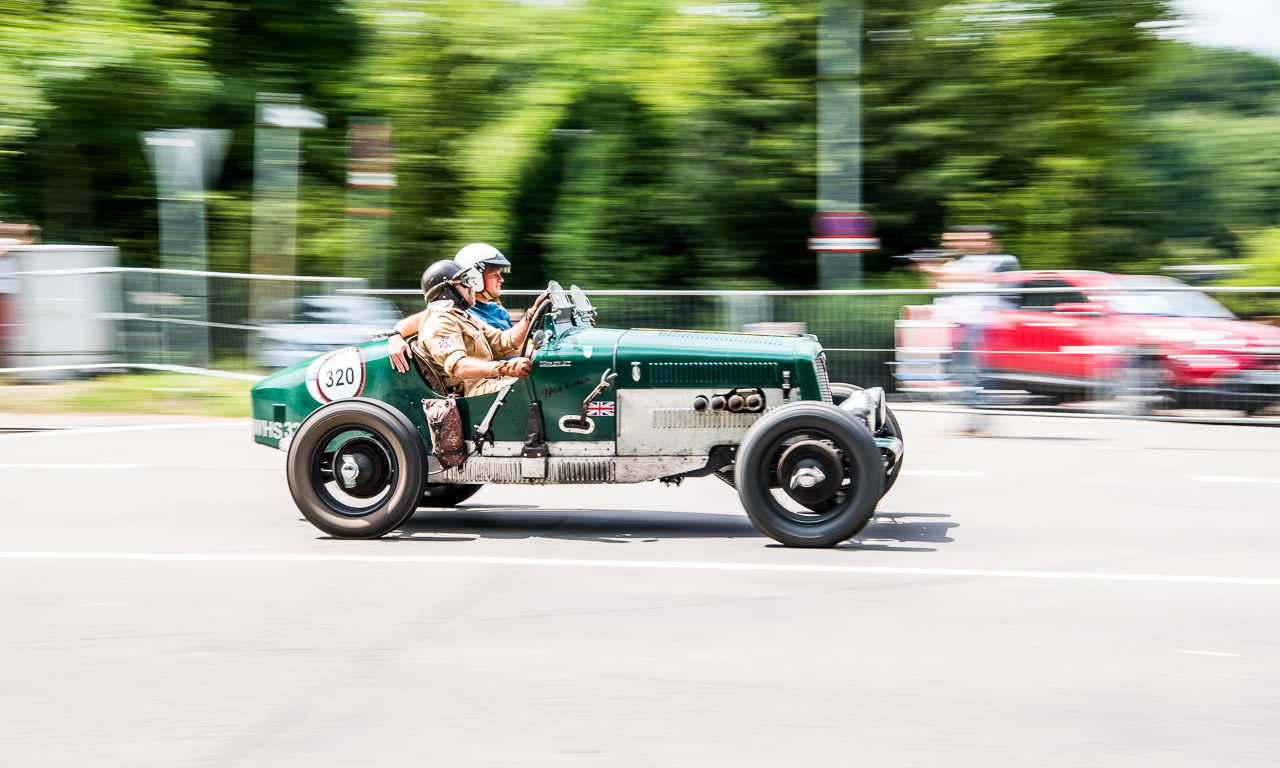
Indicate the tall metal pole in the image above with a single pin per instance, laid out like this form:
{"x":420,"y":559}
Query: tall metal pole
{"x":275,"y":192}
{"x":185,"y":161}
{"x":839,"y":145}
{"x":839,"y":118}
{"x":370,"y":161}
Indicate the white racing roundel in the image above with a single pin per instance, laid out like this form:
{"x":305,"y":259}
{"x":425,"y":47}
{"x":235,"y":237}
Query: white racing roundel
{"x":337,"y":375}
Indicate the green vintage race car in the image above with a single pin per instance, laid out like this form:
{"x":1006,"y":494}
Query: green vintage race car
{"x":810,"y":459}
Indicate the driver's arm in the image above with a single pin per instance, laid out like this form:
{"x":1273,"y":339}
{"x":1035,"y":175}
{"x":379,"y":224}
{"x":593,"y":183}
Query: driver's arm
{"x":398,"y":348}
{"x":475,"y":368}
{"x":521,"y":329}
{"x":443,"y":340}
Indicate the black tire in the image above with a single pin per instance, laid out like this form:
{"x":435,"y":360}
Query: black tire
{"x":831,"y":521}
{"x":447,"y":494}
{"x":841,"y":392}
{"x":385,"y":440}
{"x":893,"y":429}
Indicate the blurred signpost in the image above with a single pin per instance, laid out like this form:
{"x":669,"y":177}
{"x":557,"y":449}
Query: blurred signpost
{"x":275,"y":192}
{"x":843,"y":232}
{"x":840,"y":149}
{"x":370,"y":160}
{"x":185,"y":162}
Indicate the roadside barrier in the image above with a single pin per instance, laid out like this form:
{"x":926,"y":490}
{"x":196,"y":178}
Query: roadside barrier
{"x":1158,"y":352}
{"x":1153,"y":353}
{"x":103,"y":367}
{"x":158,"y":317}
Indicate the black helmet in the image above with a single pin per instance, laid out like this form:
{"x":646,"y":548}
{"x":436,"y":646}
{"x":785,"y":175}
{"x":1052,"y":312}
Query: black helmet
{"x":441,"y":281}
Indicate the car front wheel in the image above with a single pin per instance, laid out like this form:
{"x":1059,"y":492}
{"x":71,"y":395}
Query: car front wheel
{"x":841,"y":392}
{"x":809,"y":475}
{"x":356,"y":469}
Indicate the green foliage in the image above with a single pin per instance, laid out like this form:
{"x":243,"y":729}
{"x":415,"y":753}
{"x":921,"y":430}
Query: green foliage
{"x":649,"y":143}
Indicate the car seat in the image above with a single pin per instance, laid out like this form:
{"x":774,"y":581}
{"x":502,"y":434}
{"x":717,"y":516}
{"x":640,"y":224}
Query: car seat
{"x":430,"y":372}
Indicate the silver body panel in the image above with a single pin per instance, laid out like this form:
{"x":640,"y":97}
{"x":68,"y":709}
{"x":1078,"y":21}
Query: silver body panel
{"x":510,"y":470}
{"x":662,"y":422}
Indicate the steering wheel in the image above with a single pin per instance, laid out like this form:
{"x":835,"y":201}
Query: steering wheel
{"x":534,"y":323}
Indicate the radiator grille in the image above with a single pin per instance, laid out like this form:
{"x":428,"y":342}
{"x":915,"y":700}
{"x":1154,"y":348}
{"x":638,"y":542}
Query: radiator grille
{"x":714,"y":374}
{"x":824,"y":383}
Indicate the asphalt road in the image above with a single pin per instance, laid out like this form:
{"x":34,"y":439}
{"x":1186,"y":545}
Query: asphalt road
{"x":1063,"y":592}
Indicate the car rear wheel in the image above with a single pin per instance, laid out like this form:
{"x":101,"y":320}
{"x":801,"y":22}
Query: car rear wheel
{"x":809,"y":475}
{"x":447,"y":494}
{"x":356,"y":468}
{"x":841,"y":392}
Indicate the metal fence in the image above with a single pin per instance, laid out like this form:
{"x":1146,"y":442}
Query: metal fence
{"x":1158,"y":352}
{"x":163,"y":317}
{"x":1029,"y":349}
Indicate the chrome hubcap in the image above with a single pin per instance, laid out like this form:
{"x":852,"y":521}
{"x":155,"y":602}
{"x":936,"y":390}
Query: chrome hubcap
{"x":350,"y":471}
{"x":807,"y":477}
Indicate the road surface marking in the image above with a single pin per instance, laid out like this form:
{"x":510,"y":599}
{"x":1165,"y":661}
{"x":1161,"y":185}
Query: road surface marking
{"x":941,"y":473}
{"x":133,"y":428}
{"x":1225,"y":479}
{"x":1211,"y":653}
{"x":38,"y":465}
{"x":235,"y":557}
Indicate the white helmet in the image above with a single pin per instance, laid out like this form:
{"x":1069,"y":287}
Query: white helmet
{"x":475,"y":258}
{"x":481,"y":255}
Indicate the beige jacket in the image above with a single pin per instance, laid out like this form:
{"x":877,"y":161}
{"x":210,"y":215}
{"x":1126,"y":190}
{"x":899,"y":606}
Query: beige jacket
{"x":447,"y":337}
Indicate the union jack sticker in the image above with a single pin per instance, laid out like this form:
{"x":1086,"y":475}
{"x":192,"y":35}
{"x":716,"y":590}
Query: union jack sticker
{"x":600,"y":408}
{"x":447,"y":343}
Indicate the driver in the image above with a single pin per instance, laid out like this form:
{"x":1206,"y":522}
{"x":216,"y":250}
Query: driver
{"x":462,"y":348}
{"x":490,"y":263}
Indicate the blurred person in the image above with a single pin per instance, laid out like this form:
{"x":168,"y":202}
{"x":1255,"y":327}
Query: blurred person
{"x":977,"y":254}
{"x":461,"y":347}
{"x":11,"y":235}
{"x":979,"y":257}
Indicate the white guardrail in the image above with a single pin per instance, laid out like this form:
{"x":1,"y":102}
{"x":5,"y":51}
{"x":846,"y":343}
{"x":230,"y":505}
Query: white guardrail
{"x":921,"y":344}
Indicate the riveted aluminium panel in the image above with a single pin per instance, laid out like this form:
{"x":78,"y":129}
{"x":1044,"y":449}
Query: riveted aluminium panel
{"x":661,"y":422}
{"x":566,"y":470}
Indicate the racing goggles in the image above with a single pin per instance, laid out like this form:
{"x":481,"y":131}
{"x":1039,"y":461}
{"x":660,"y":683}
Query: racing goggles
{"x":473,"y":278}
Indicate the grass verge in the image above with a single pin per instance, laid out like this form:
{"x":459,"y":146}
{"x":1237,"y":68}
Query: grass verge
{"x":165,"y":393}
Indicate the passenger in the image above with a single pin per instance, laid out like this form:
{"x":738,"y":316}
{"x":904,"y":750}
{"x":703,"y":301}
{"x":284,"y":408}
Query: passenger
{"x":462,"y":348}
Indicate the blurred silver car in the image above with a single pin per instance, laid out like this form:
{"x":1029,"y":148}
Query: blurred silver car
{"x":310,"y":325}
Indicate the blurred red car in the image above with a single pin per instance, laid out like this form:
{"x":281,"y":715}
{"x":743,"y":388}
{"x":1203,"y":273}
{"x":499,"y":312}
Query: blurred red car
{"x":1080,"y":341}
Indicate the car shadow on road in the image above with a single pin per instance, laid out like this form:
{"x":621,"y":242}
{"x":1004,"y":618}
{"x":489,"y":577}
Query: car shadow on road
{"x":509,"y":521}
{"x":887,"y":529}
{"x":518,"y":521}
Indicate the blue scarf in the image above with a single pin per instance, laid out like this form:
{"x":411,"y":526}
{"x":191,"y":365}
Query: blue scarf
{"x":492,"y":313}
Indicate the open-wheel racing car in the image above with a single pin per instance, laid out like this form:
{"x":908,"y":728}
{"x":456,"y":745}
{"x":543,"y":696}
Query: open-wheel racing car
{"x":810,"y":459}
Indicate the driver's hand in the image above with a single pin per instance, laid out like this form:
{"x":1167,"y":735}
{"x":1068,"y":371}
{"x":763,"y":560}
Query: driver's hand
{"x":398,"y":353}
{"x":541,"y":298}
{"x":520,"y":367}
